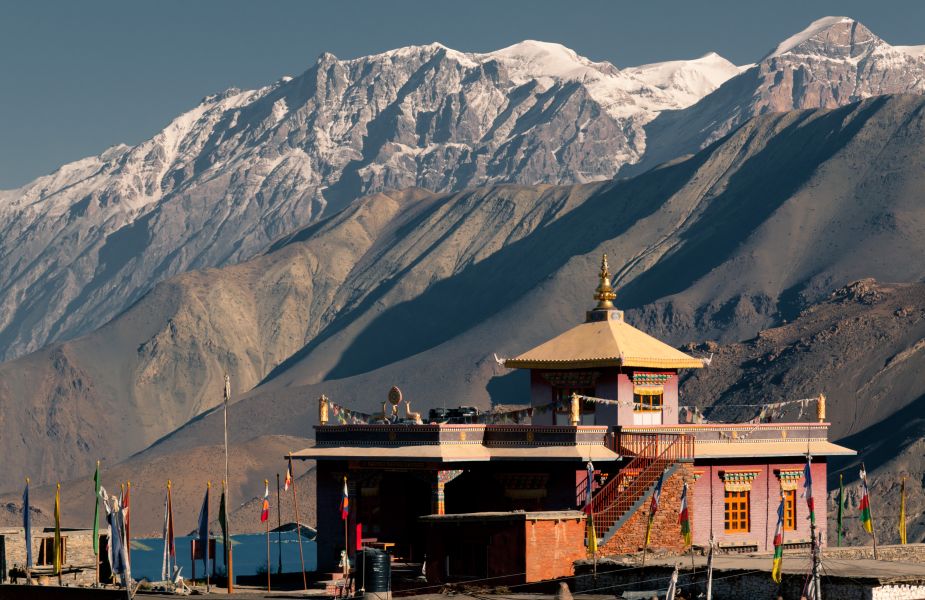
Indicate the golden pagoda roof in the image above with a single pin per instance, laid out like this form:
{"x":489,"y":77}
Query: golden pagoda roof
{"x":603,"y":340}
{"x":606,"y":343}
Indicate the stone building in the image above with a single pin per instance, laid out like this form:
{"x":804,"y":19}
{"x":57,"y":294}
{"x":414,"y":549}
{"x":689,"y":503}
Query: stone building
{"x":79,"y":565}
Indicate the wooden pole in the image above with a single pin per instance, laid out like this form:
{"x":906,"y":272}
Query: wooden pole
{"x":228,"y":551}
{"x":279,"y":526}
{"x":266,"y":484}
{"x":298,"y":525}
{"x":206,"y":549}
{"x":128,"y":523}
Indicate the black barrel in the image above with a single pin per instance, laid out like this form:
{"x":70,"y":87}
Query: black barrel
{"x":376,"y":569}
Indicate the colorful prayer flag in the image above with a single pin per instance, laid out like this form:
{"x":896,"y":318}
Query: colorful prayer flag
{"x":27,"y":524}
{"x":866,"y":519}
{"x":902,"y":512}
{"x":57,"y":546}
{"x":345,"y":502}
{"x":808,"y":488}
{"x":170,"y":551}
{"x":96,"y":510}
{"x":591,"y":534}
{"x":653,"y":506}
{"x":589,"y":486}
{"x":776,"y":574}
{"x":684,"y":517}
{"x":288,"y":483}
{"x":265,"y":510}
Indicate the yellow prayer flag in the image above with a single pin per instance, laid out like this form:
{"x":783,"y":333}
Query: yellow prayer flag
{"x":902,"y":512}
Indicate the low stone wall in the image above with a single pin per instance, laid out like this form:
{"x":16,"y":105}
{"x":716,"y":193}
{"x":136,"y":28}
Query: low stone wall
{"x":896,"y":553}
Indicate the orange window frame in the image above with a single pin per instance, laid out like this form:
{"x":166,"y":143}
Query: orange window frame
{"x":790,"y":510}
{"x":737,"y":511}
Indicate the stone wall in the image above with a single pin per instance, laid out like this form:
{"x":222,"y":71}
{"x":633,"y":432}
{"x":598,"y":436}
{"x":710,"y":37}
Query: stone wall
{"x":666,"y":531}
{"x":897,"y":553}
{"x":79,"y":553}
{"x":552,"y":547}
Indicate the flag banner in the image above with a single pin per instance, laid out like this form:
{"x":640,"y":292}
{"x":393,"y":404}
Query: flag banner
{"x":96,"y":510}
{"x":223,"y":523}
{"x":839,"y":527}
{"x":684,"y":517}
{"x":57,"y":546}
{"x":589,"y":487}
{"x":345,"y":502}
{"x":288,"y":482}
{"x":27,"y":524}
{"x":359,"y":538}
{"x":672,"y":585}
{"x":902,"y":511}
{"x":203,"y":530}
{"x":808,"y":489}
{"x":591,"y":535}
{"x":866,"y":519}
{"x":127,"y":524}
{"x":653,"y":506}
{"x":776,"y":573}
{"x":165,"y":558}
{"x":265,"y":508}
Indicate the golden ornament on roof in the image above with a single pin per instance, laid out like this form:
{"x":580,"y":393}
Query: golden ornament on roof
{"x":604,"y":293}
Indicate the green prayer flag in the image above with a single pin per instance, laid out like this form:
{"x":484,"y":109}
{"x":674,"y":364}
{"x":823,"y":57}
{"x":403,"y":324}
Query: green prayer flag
{"x":96,"y":510}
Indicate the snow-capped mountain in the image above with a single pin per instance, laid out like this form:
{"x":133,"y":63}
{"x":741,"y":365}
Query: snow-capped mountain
{"x":833,"y":62}
{"x":244,"y":167}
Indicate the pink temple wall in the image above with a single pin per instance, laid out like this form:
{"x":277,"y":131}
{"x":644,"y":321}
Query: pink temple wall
{"x":764,"y":500}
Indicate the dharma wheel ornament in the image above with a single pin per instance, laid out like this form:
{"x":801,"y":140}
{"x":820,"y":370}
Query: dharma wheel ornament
{"x":604,"y":293}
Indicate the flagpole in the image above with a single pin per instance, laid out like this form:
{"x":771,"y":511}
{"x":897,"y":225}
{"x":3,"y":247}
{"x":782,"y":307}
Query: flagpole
{"x":266,"y":484}
{"x":279,"y":529}
{"x":128,"y":523}
{"x":96,"y":522}
{"x":57,"y":544}
{"x":346,"y":538}
{"x":228,"y":552}
{"x":208,"y":538}
{"x":298,"y":524}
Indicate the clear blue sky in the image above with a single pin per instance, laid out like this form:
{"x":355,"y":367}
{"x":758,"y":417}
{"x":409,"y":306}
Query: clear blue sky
{"x":78,"y":77}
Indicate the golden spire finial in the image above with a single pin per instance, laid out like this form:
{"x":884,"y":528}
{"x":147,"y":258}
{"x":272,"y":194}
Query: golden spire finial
{"x":604,"y":293}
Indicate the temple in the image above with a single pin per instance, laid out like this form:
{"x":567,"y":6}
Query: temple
{"x":510,"y":500}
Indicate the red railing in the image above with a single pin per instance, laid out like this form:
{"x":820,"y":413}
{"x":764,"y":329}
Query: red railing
{"x":653,"y":453}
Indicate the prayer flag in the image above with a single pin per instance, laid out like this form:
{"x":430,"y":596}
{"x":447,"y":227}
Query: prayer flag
{"x":589,"y":487}
{"x":866,"y":519}
{"x":839,"y":530}
{"x":653,"y":506}
{"x":592,"y":534}
{"x":96,"y":510}
{"x":265,"y":511}
{"x":203,"y":534}
{"x":902,"y":512}
{"x":345,"y":502}
{"x":169,"y":550}
{"x":684,"y":517}
{"x":288,"y":483}
{"x":808,"y":488}
{"x":57,"y":546}
{"x":672,"y":585}
{"x":27,"y":524}
{"x":778,"y":544}
{"x":223,"y":523}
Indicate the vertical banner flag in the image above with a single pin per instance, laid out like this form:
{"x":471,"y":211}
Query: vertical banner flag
{"x":653,"y":506}
{"x":778,"y":544}
{"x":203,"y":532}
{"x":902,"y":512}
{"x":127,"y":523}
{"x":866,"y":520}
{"x":57,"y":547}
{"x":684,"y":517}
{"x":345,"y":503}
{"x":288,"y":483}
{"x":808,"y":488}
{"x":96,"y":510}
{"x":265,"y":509}
{"x":223,"y":523}
{"x":672,"y":585}
{"x":27,"y":524}
{"x":591,"y":531}
{"x":839,"y":529}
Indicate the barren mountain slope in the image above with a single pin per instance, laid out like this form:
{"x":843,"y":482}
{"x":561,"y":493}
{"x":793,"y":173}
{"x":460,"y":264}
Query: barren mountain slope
{"x":721,"y":245}
{"x":242,"y":168}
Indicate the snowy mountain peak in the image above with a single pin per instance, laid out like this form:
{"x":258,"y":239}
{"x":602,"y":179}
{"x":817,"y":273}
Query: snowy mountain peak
{"x":833,"y":37}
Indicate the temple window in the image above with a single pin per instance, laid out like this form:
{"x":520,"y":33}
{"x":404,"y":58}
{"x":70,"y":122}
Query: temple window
{"x":736,"y":519}
{"x":648,"y":402}
{"x":790,"y":510}
{"x":47,"y":551}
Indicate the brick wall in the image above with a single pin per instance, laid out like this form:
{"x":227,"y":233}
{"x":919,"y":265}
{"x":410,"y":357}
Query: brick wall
{"x":79,"y":552}
{"x":707,"y":508}
{"x":552,"y":547}
{"x":666,"y":532}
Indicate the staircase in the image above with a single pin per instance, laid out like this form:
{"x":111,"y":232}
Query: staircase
{"x":623,"y":494}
